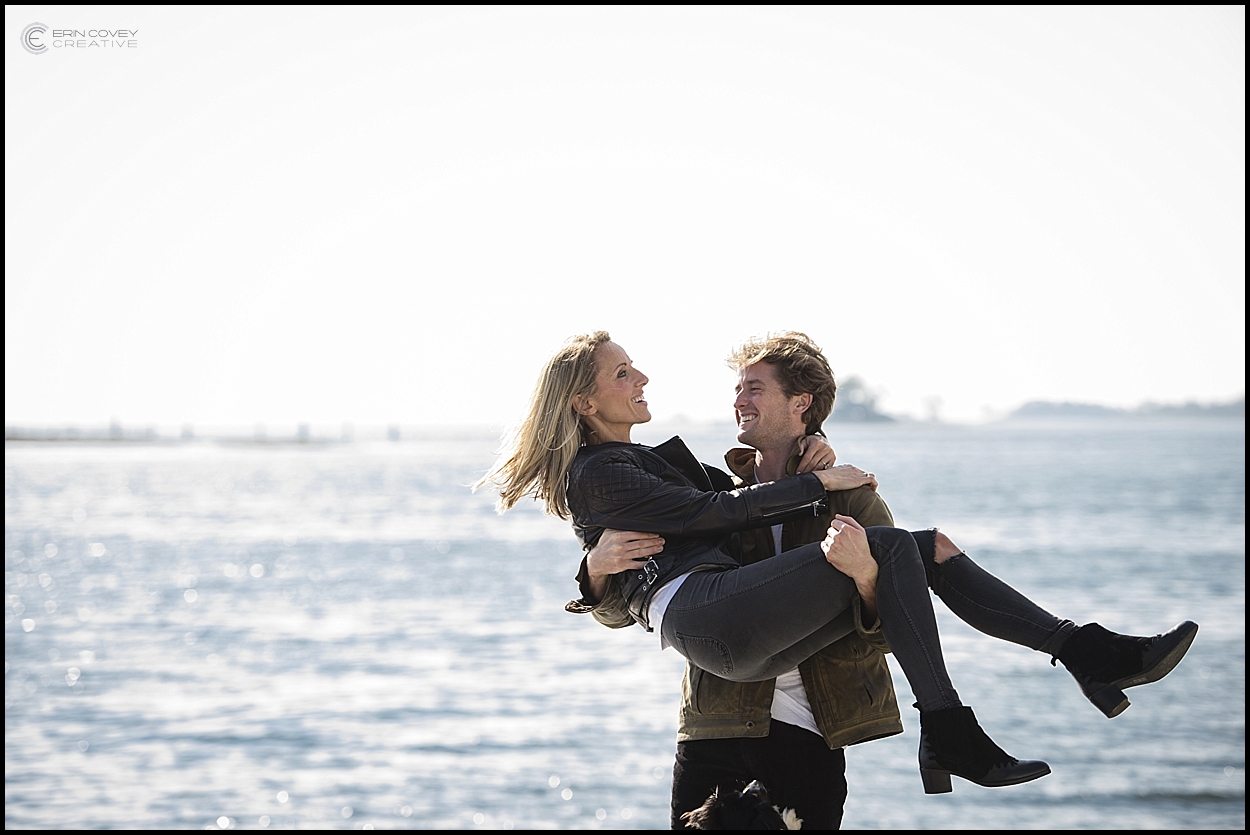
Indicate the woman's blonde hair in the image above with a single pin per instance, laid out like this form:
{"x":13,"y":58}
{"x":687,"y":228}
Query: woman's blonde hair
{"x":539,"y":451}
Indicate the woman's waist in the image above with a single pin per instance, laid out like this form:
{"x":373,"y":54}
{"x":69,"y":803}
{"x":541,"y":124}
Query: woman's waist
{"x":639,"y":585}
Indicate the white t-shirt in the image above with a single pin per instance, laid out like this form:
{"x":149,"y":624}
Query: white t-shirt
{"x":659,"y":603}
{"x":790,"y":704}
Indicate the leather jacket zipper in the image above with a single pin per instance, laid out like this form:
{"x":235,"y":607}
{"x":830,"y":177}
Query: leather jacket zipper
{"x":815,"y":506}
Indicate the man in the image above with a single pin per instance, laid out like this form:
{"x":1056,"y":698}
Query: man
{"x":788,"y":733}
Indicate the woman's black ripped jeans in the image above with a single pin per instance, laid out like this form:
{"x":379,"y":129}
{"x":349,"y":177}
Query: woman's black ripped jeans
{"x":758,"y":621}
{"x":986,"y":603}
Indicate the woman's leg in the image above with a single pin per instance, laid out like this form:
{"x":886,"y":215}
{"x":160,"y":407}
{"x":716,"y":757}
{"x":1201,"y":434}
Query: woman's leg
{"x":755,"y":622}
{"x":751,"y":623}
{"x":986,"y":603}
{"x":1103,"y":663}
{"x":748,"y":625}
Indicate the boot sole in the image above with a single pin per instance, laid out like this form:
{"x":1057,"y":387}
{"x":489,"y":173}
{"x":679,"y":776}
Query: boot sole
{"x":1110,"y":698}
{"x":938,"y":781}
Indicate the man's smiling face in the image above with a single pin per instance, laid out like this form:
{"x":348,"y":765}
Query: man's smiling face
{"x":765,"y":414}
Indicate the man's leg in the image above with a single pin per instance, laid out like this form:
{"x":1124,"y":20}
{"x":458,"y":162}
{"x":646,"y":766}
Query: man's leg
{"x":801,"y":773}
{"x":702,"y":765}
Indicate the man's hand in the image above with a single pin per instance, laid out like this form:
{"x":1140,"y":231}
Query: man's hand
{"x":845,"y":477}
{"x":846,"y":549}
{"x":817,"y":454}
{"x":619,"y":551}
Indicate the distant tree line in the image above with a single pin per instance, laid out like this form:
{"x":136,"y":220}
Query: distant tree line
{"x":856,"y":403}
{"x":1046,"y":410}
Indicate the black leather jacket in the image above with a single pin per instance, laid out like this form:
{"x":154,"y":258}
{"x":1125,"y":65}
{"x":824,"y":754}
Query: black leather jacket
{"x":665,"y":490}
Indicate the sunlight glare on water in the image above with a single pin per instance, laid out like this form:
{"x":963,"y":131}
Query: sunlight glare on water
{"x":344,"y":636}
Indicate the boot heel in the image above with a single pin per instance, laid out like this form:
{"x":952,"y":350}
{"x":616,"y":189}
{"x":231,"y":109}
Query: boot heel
{"x":1111,"y":701}
{"x":935,"y":780}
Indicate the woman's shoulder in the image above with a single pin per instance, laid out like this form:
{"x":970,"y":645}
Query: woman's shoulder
{"x":611,"y":451}
{"x":593,"y":456}
{"x":608,"y":475}
{"x":608,"y":463}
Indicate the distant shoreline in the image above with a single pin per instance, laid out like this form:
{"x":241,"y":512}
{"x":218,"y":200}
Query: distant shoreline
{"x":321,"y":436}
{"x":1041,"y":410}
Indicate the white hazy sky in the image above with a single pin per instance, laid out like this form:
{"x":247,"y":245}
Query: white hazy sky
{"x":395,"y":215}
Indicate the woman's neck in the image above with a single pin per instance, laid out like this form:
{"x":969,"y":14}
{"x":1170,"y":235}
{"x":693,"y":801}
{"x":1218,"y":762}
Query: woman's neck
{"x":601,"y":433}
{"x":619,"y":437}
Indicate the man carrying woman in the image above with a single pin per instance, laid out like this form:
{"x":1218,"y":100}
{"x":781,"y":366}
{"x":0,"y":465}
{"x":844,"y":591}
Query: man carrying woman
{"x":755,"y":622}
{"x":789,"y":732}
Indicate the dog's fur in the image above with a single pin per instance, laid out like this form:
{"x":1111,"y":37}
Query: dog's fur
{"x":746,"y":809}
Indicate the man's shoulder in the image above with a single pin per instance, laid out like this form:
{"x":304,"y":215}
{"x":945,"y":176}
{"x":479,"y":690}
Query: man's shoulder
{"x":863,"y":504}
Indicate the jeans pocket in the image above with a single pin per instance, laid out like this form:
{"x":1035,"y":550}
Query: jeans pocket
{"x":706,"y":653}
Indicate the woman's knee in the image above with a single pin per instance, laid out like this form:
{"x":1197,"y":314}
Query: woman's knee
{"x":944,"y":548}
{"x":891,"y":544}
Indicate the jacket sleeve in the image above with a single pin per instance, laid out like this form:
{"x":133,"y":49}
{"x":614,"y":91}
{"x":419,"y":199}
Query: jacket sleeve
{"x":619,"y":493}
{"x":869,"y":632}
{"x":865,"y":506}
{"x":869,"y":509}
{"x":611,"y":611}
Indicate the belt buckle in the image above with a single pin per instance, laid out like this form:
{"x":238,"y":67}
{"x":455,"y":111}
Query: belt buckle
{"x":652,"y":568}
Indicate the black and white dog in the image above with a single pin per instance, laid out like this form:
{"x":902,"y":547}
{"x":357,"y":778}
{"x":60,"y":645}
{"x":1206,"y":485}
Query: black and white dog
{"x":746,"y":809}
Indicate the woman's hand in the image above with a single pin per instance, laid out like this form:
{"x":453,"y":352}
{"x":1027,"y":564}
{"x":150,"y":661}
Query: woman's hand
{"x":846,"y":549}
{"x":619,"y":551}
{"x":845,"y":477}
{"x":817,"y":454}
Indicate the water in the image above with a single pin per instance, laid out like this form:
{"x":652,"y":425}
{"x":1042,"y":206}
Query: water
{"x":343,"y":636}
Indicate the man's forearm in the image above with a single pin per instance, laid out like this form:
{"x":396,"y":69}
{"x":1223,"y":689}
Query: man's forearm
{"x":868,"y":602}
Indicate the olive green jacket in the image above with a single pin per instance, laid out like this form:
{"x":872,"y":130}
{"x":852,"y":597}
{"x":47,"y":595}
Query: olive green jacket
{"x":848,"y":683}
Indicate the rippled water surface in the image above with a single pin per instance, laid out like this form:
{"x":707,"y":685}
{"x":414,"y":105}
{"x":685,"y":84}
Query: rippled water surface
{"x":344,"y":636}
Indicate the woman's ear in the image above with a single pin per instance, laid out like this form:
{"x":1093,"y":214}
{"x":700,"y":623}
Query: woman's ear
{"x":583,"y":406}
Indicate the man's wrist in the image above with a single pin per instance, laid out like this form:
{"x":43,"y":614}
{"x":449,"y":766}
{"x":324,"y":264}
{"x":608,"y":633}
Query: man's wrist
{"x":596,"y":587}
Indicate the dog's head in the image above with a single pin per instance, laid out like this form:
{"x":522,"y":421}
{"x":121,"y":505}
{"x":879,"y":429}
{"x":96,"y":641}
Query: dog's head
{"x":750,"y":808}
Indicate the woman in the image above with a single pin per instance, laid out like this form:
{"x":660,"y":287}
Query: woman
{"x":745,"y":623}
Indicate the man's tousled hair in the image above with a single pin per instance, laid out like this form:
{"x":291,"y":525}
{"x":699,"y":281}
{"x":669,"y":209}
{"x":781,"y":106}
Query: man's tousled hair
{"x":801,"y":367}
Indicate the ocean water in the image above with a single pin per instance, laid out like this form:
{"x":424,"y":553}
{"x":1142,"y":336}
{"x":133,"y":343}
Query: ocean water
{"x":343,"y":636}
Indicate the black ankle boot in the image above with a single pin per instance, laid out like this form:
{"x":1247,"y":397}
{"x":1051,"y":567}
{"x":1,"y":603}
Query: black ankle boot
{"x":1104,"y":662}
{"x":951,"y":742}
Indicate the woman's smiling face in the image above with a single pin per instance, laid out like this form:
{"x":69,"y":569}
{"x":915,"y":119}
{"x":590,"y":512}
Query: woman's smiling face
{"x":618,"y":402}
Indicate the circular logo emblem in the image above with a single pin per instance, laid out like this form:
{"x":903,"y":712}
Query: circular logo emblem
{"x":32,"y":38}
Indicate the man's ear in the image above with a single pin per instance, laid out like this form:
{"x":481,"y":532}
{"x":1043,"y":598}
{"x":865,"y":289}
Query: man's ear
{"x":803,"y":402}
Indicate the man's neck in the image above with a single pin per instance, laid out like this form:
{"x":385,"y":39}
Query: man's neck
{"x":770,"y":461}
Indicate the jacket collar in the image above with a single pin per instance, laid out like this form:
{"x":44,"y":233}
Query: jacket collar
{"x":741,"y":461}
{"x":678,"y":455}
